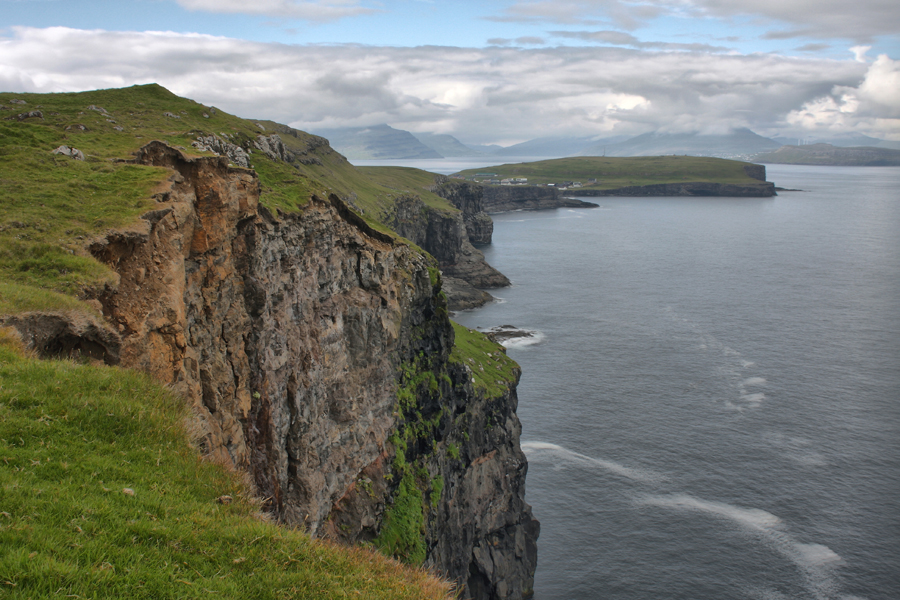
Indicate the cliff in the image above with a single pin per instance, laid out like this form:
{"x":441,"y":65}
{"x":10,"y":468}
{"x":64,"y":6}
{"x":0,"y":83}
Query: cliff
{"x":317,"y":354}
{"x":692,"y":188}
{"x":514,"y":197}
{"x":255,"y":274}
{"x":450,"y":236}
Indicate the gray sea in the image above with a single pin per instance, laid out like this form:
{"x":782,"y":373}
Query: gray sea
{"x":711,"y":399}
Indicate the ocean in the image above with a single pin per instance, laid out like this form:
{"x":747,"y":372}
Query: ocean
{"x":711,"y":399}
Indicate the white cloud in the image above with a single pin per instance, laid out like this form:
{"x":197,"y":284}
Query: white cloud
{"x":481,"y":95}
{"x":859,"y":52}
{"x":321,"y":10}
{"x":873,"y":107}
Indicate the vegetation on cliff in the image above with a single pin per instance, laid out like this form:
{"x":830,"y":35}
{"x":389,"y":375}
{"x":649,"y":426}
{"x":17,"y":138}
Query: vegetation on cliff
{"x":102,"y":495}
{"x":102,"y":491}
{"x":611,"y":173}
{"x":53,"y":205}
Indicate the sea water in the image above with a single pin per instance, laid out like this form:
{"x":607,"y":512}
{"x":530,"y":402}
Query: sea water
{"x":711,"y":404}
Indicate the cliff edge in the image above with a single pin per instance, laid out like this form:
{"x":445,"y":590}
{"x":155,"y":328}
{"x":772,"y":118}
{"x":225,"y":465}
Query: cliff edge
{"x":317,"y":354}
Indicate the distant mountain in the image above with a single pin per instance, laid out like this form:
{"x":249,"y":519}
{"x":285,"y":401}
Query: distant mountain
{"x":446,"y":145}
{"x":379,"y":141}
{"x":741,"y":143}
{"x":489,"y":149}
{"x":557,"y":147}
{"x":845,"y":141}
{"x":826,"y":154}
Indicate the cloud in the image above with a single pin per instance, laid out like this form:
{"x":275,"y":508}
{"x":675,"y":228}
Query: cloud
{"x":620,"y":38}
{"x":860,"y":21}
{"x":873,"y":105}
{"x":520,"y":41}
{"x":321,"y":10}
{"x":495,"y":94}
{"x":859,"y":52}
{"x":813,"y":47}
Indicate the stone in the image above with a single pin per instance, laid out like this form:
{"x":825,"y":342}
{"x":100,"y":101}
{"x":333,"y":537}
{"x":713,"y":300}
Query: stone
{"x":66,"y":151}
{"x":211,"y":143}
{"x":273,"y":147}
{"x":33,"y":114}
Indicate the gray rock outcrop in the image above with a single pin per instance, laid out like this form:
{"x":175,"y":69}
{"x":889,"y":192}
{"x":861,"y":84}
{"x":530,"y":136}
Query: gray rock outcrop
{"x":75,"y":153}
{"x":212,"y":143}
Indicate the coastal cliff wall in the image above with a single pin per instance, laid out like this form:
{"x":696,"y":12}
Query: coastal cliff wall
{"x":764,"y":189}
{"x":507,"y":198}
{"x":318,"y":357}
{"x":451,"y":237}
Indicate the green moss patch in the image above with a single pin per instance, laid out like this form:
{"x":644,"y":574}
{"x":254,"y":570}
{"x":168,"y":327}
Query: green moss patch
{"x":492,"y":370}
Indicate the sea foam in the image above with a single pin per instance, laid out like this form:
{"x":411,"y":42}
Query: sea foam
{"x":814,"y":561}
{"x":540,"y":450}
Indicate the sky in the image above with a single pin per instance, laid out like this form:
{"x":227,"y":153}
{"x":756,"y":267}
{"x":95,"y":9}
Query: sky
{"x":487,"y":71}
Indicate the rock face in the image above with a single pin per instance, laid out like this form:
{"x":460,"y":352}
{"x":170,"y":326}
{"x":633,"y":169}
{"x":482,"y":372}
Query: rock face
{"x":316,"y":353}
{"x":506,"y":198}
{"x":446,"y":236}
{"x":469,"y":198}
{"x":764,"y":189}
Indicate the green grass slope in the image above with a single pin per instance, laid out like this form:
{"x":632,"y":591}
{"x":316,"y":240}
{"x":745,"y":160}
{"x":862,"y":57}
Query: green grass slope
{"x":74,"y":438}
{"x":51,"y":206}
{"x":103,"y":496}
{"x":612,"y":173}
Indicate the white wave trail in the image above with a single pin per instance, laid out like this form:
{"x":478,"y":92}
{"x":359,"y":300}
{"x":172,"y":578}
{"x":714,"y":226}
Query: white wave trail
{"x":732,"y":364}
{"x":749,"y":517}
{"x":536,"y":450}
{"x":814,"y":561}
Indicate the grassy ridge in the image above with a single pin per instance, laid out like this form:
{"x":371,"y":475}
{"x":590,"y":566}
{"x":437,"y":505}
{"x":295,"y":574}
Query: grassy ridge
{"x":51,"y":206}
{"x":103,"y":496}
{"x":621,"y":172}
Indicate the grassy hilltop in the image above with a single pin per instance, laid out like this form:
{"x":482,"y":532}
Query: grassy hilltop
{"x":102,"y":494}
{"x":51,"y":206}
{"x":612,"y":173}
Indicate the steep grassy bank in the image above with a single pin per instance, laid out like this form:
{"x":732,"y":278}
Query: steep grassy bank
{"x":103,"y":496}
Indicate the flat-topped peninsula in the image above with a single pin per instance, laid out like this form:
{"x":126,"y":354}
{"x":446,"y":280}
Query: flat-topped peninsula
{"x":547,"y":183}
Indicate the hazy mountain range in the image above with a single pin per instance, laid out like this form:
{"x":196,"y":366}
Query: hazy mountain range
{"x":385,"y":142}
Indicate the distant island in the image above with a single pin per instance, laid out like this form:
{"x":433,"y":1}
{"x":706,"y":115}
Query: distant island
{"x":546,"y":183}
{"x":826,"y":154}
